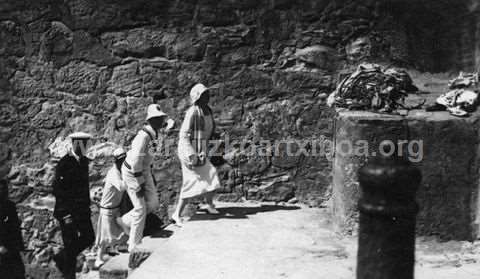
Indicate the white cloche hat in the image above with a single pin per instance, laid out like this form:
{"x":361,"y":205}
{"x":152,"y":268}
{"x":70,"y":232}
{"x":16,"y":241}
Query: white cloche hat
{"x":154,"y":110}
{"x":197,"y":91}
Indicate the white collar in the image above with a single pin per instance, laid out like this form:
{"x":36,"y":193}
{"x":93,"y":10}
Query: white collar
{"x":75,"y":155}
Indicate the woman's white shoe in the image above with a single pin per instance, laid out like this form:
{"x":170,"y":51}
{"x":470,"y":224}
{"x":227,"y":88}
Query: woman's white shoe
{"x":211,"y":210}
{"x":98,"y":263}
{"x":178,"y":221}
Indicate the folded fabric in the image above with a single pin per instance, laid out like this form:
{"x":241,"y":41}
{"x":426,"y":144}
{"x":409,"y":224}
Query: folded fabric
{"x":459,"y":101}
{"x":372,"y":87}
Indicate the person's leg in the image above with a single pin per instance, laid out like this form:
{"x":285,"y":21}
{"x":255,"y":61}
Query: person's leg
{"x":209,"y":198}
{"x":209,"y":201}
{"x":151,"y":195}
{"x":86,"y":233}
{"x":70,"y":238}
{"x":135,"y":219}
{"x":177,"y":214}
{"x":100,"y":255}
{"x":121,"y":222}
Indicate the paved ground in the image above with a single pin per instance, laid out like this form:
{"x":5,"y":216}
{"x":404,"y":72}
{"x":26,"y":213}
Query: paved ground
{"x":268,"y":241}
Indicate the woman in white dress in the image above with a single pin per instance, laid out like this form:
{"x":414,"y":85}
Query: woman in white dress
{"x":109,"y":232}
{"x":200,"y":177}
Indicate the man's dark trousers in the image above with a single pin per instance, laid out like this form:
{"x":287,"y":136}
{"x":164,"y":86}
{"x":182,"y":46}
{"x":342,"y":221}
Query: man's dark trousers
{"x":77,"y":236}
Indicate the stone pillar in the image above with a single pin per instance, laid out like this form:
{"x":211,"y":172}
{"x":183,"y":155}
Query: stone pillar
{"x":357,"y":130}
{"x":448,"y":157}
{"x":386,"y":242}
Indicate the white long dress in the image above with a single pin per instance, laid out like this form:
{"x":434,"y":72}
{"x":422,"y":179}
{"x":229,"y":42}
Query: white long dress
{"x":200,"y":179}
{"x":108,"y":231}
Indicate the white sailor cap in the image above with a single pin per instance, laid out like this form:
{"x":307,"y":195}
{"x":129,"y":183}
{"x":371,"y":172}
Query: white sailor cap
{"x":79,"y":135}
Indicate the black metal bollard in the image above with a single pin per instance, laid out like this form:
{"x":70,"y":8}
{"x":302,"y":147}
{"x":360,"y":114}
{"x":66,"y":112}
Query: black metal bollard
{"x":386,"y":242}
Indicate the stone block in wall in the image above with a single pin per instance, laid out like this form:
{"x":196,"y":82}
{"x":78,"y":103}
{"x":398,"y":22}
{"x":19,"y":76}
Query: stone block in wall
{"x":37,"y":81}
{"x":11,"y":39}
{"x":78,"y":77}
{"x":277,"y":190}
{"x":56,"y":43}
{"x":358,"y":49}
{"x":50,"y":117}
{"x":237,"y":56}
{"x":8,"y":115}
{"x":89,"y":48}
{"x":100,"y":16}
{"x":160,"y":78}
{"x":84,"y":122}
{"x":126,"y":81}
{"x":301,"y":80}
{"x":187,"y":47}
{"x":443,"y":147}
{"x":317,"y":56}
{"x":256,"y":164}
{"x":247,"y":82}
{"x":139,"y":42}
{"x":209,"y":15}
{"x":287,"y":154}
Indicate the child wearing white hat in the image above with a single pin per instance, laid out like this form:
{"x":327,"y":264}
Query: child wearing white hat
{"x":109,"y":232}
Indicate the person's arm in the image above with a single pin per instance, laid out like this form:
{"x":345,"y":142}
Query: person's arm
{"x":135,"y":158}
{"x":214,"y":135}
{"x":188,"y":154}
{"x":60,"y":191}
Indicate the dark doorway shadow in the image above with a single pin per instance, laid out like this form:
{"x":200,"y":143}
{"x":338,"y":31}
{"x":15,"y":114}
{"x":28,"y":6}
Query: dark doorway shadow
{"x":240,"y":212}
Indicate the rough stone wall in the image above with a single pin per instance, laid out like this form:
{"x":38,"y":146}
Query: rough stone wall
{"x":94,"y":65}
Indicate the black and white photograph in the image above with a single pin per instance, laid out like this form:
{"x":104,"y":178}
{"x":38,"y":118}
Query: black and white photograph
{"x":239,"y":139}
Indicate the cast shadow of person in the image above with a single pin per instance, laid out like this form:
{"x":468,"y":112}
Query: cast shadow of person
{"x":241,"y":212}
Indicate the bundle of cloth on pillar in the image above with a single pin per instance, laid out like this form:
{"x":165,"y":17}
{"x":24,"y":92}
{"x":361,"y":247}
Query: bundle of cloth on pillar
{"x":462,"y":98}
{"x":373,"y":87}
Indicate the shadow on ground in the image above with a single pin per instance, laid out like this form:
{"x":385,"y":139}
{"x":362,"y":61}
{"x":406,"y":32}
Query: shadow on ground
{"x":240,"y":212}
{"x":155,"y":227}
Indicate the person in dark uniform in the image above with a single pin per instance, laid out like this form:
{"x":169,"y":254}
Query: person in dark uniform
{"x":11,"y":241}
{"x":72,"y":206}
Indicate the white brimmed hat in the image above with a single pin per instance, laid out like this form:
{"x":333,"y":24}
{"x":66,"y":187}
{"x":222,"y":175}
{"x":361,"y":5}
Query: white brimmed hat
{"x":197,"y":91}
{"x":79,"y":135}
{"x":119,"y":153}
{"x":154,"y":110}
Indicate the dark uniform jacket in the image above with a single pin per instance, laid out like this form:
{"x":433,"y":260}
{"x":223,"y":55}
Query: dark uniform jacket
{"x":11,"y":265}
{"x":71,"y":187}
{"x":10,"y":234}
